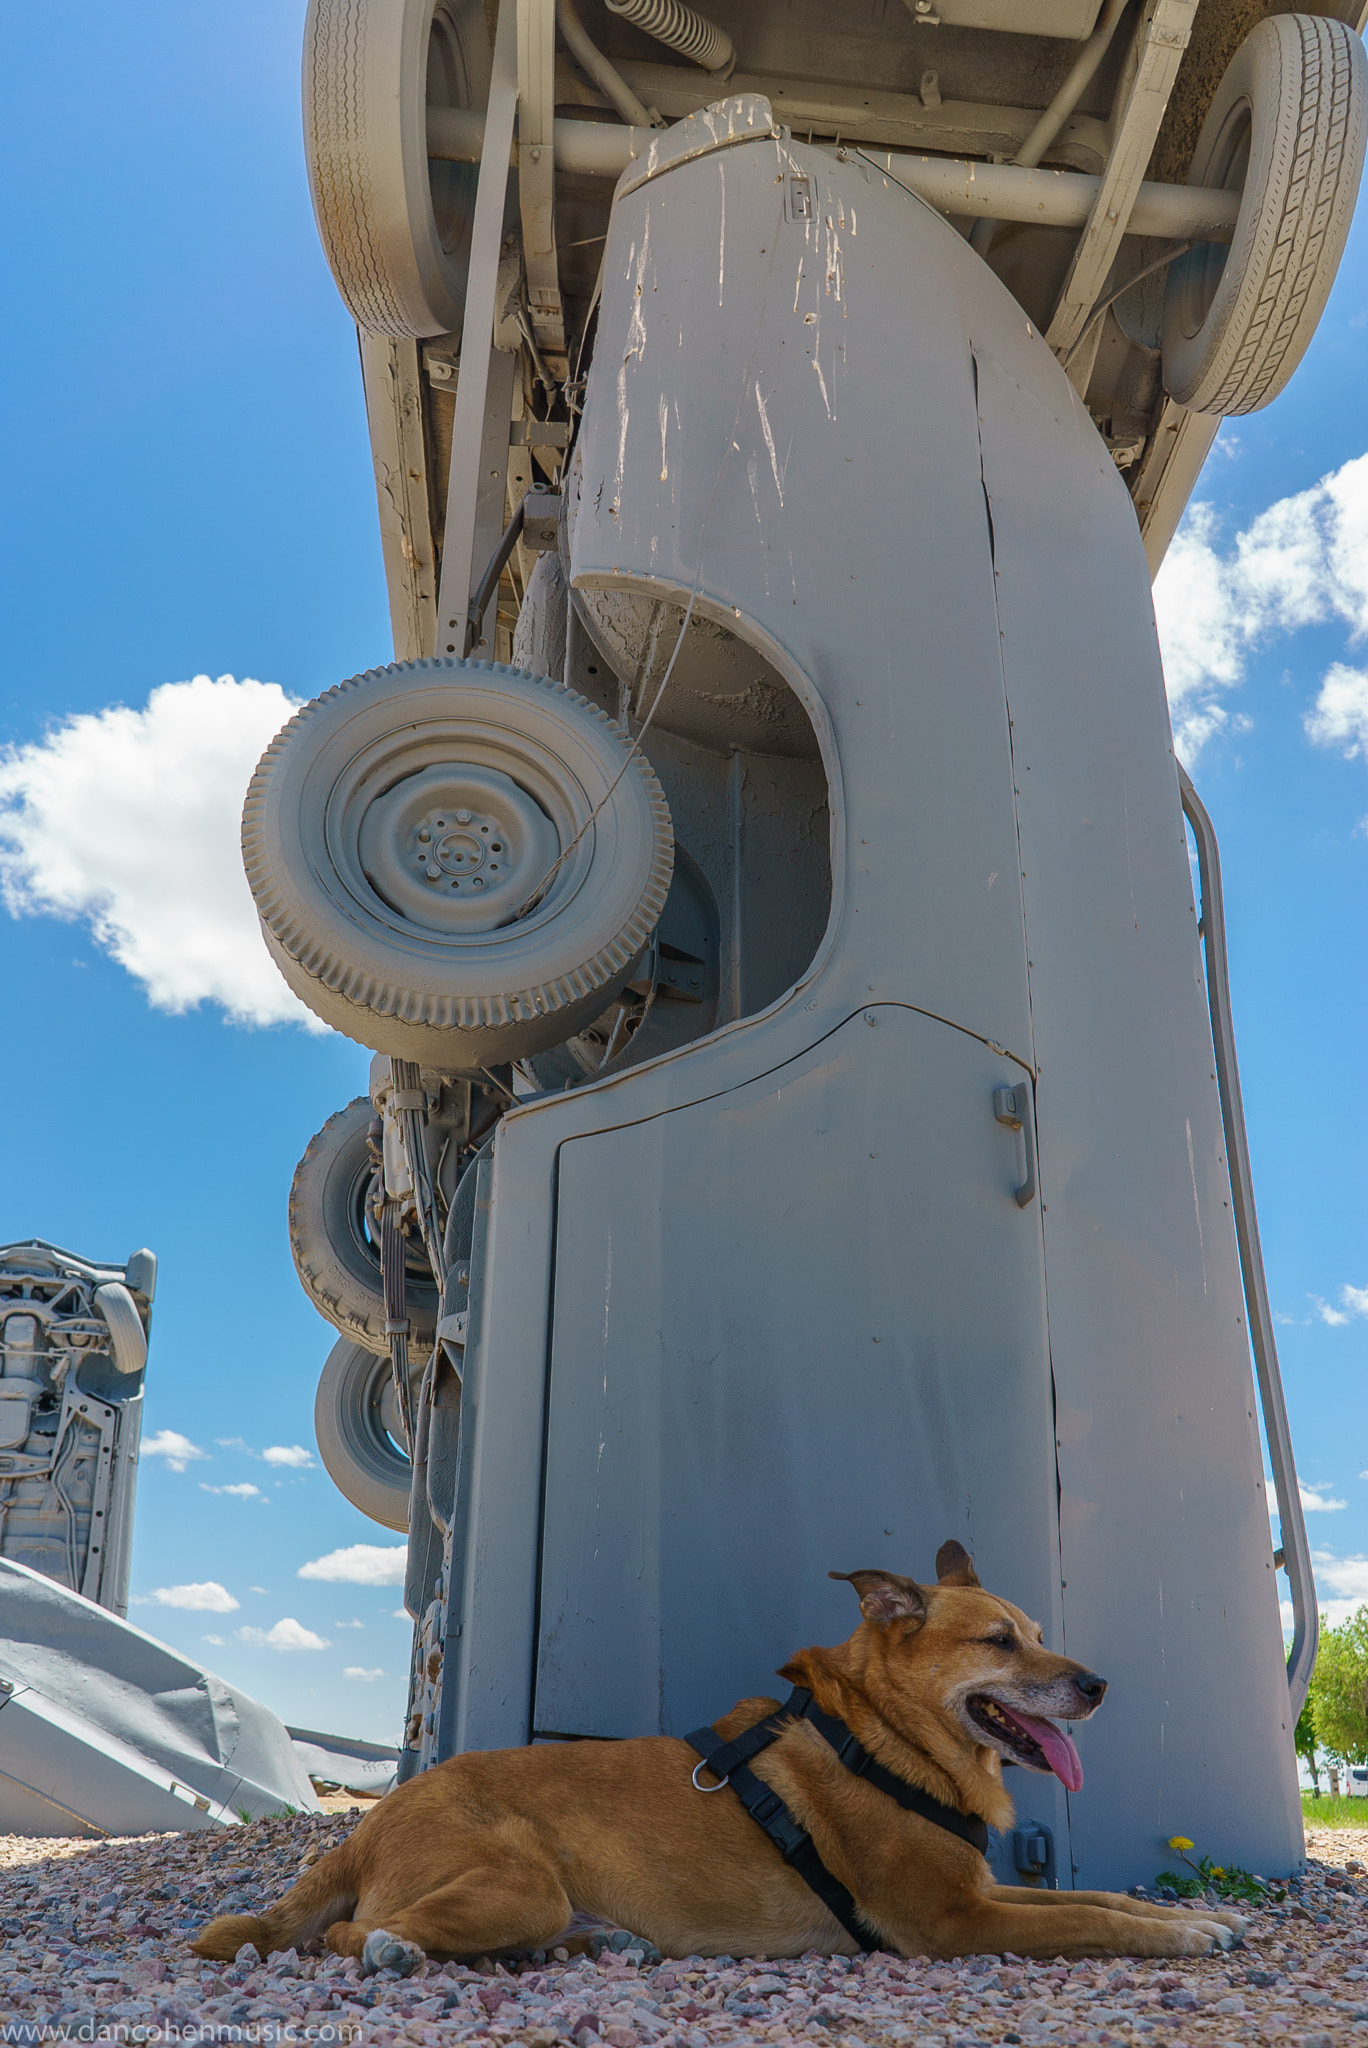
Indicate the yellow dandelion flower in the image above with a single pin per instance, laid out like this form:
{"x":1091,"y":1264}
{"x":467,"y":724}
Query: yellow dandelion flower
{"x":1218,"y":1870}
{"x":1180,"y":1843}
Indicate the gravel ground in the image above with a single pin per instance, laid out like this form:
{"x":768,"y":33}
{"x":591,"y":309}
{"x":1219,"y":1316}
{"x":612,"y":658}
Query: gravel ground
{"x":95,"y":1942}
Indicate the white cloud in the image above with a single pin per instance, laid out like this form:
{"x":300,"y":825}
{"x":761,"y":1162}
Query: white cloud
{"x":1345,"y":1580}
{"x":288,"y":1634}
{"x":353,"y":1623}
{"x":1315,"y":1501}
{"x":205,"y":1597}
{"x":359,"y":1671}
{"x":242,"y":1489}
{"x":1300,"y":562}
{"x":1339,"y":717}
{"x":217,"y":1641}
{"x":1353,"y":1301}
{"x":128,"y":820}
{"x":293,"y":1455}
{"x":177,"y":1450}
{"x":361,"y":1564}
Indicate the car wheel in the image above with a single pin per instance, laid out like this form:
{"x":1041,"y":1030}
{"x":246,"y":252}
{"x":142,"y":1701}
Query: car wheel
{"x":455,"y":862}
{"x":336,"y":1256}
{"x":1287,"y":127}
{"x":395,"y":227}
{"x":360,"y":1437}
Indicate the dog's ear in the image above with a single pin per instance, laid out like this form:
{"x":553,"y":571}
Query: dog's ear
{"x":954,"y":1566}
{"x":885,"y":1597}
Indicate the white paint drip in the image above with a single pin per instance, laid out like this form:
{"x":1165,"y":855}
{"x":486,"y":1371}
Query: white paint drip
{"x":769,"y":443}
{"x":664,"y":423}
{"x":822,"y":383}
{"x":722,"y":232}
{"x":752,"y":473}
{"x":636,"y":346}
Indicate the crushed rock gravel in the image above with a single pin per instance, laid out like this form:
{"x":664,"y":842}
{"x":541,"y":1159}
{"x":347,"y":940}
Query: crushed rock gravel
{"x":95,"y":1947}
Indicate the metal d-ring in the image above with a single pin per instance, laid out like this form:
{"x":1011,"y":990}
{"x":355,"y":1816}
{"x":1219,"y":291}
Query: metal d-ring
{"x":702,"y":1765}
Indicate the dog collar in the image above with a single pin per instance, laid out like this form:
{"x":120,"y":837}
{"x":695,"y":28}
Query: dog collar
{"x":729,"y":1763}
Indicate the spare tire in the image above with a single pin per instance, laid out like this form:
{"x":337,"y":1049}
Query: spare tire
{"x":455,"y":862}
{"x":336,"y":1256}
{"x":360,"y":1437}
{"x":1287,"y":126}
{"x":395,"y":227}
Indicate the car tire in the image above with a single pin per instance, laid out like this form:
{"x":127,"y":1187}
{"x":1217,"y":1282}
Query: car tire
{"x":1287,"y":126}
{"x":335,"y":1257}
{"x":395,"y":227}
{"x":359,"y":1436}
{"x":455,"y":862}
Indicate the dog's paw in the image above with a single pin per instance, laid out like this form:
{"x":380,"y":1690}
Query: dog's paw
{"x":1236,"y":1922}
{"x":1227,"y":1930}
{"x":1203,"y":1935}
{"x":387,"y":1952}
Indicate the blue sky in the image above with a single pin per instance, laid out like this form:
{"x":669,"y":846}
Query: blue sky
{"x":190,"y":496}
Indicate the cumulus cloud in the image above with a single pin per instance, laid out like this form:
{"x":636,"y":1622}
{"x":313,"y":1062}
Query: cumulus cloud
{"x":243,"y":1490}
{"x":206,"y":1596}
{"x":1316,"y":1501}
{"x":217,"y":1641}
{"x":360,"y":1671}
{"x":293,"y":1455}
{"x":1301,"y":562}
{"x":128,"y":821}
{"x":1339,"y":717}
{"x":287,"y":1634}
{"x":177,"y":1450}
{"x":1353,"y":1302}
{"x":1344,"y":1580}
{"x":360,"y":1564}
{"x":353,"y":1623}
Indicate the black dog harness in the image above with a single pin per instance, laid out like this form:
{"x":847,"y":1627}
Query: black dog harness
{"x":730,"y":1763}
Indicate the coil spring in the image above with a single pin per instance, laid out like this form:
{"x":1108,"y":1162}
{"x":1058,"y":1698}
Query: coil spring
{"x":677,"y":26}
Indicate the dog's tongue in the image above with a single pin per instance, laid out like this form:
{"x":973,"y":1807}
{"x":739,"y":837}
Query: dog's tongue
{"x":1060,"y":1753}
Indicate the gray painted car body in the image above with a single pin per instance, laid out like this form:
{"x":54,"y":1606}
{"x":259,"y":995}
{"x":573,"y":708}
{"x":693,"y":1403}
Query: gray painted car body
{"x":769,"y":1305}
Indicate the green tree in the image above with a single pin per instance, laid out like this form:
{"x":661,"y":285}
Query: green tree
{"x":1305,"y":1739}
{"x":1339,"y":1690}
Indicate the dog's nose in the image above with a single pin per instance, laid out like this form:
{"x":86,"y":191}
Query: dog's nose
{"x":1091,"y":1686}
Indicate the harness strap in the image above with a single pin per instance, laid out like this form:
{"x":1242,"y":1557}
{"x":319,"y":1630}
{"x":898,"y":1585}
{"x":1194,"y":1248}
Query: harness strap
{"x":729,"y":1762}
{"x":858,"y":1760}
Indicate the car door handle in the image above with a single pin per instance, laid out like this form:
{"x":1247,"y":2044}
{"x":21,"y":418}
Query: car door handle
{"x":1012,"y":1107}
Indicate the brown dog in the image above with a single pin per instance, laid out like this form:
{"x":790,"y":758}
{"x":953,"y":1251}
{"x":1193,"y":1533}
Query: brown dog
{"x":498,"y":1850}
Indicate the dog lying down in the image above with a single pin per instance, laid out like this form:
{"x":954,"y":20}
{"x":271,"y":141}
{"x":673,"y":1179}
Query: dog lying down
{"x":499,"y":1850}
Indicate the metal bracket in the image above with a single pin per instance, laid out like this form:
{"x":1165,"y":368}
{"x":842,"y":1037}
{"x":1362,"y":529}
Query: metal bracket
{"x":536,"y":175}
{"x":1013,"y":1107}
{"x":480,"y":361}
{"x":1033,"y":1853}
{"x":1153,"y":60}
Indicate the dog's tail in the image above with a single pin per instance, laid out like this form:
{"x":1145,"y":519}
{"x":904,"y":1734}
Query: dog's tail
{"x":324,"y":1894}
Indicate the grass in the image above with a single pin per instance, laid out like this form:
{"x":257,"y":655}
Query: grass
{"x":1334,"y":1813}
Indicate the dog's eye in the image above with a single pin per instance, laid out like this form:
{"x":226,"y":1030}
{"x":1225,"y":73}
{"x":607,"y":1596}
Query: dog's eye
{"x":1001,"y":1642}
